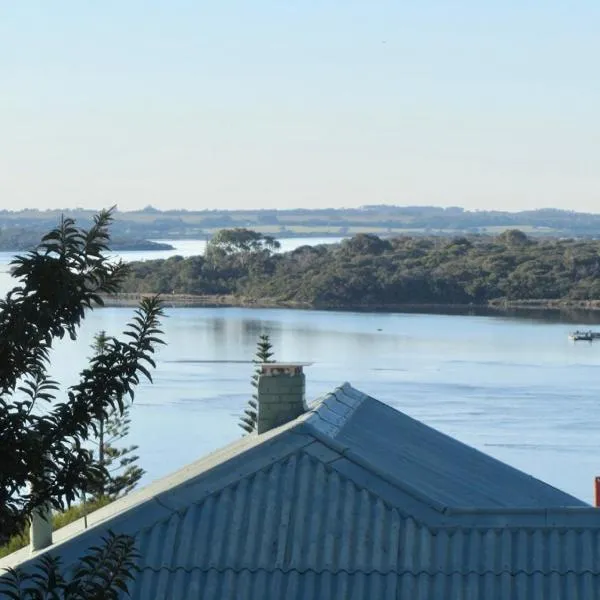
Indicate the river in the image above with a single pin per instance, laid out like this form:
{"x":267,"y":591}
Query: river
{"x":515,"y":388}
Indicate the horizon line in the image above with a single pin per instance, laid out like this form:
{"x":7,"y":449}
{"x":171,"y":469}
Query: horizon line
{"x":365,"y":207}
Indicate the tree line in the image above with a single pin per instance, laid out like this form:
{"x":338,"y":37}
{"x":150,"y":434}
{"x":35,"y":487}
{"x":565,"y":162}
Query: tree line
{"x":368,"y":271}
{"x":151,"y":223}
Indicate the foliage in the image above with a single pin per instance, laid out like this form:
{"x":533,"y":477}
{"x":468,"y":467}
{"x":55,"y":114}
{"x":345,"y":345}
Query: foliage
{"x":104,"y":573}
{"x":44,"y":456}
{"x":123,"y":474}
{"x":59,"y":519}
{"x":119,"y":473}
{"x":15,"y":542}
{"x":368,"y":272}
{"x":263,"y":355}
{"x":233,"y":252}
{"x":241,"y":240}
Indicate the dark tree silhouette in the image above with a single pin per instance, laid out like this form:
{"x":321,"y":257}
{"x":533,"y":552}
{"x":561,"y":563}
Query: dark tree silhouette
{"x":102,"y":574}
{"x":44,"y":457}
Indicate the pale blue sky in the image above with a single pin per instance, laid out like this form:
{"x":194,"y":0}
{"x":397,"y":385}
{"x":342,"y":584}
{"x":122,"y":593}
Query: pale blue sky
{"x":306,"y":103}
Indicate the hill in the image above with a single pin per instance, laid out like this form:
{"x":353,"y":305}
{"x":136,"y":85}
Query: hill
{"x":383,"y":220}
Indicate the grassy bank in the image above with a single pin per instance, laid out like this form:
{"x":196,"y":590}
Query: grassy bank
{"x":58,"y":520}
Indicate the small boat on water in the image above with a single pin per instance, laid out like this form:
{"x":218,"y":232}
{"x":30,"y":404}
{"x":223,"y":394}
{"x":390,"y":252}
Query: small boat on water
{"x":584,"y":336}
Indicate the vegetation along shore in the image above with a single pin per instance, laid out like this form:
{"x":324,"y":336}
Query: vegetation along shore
{"x":511,"y":270}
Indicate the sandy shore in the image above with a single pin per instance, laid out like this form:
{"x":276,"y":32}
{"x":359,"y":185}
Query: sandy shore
{"x":213,"y":301}
{"x":209,"y":301}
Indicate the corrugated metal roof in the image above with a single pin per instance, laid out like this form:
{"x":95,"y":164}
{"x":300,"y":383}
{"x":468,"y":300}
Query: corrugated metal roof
{"x":263,"y":585}
{"x":313,"y":510}
{"x":435,"y":465}
{"x":299,"y":525}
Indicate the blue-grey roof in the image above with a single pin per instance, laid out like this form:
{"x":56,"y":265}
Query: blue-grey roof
{"x":353,"y":500}
{"x":437,"y":467}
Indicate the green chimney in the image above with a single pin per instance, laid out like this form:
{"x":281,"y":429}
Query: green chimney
{"x":280,"y":395}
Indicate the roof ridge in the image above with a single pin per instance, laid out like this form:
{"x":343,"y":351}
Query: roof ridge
{"x":329,"y":413}
{"x":327,"y":420}
{"x":368,"y":465}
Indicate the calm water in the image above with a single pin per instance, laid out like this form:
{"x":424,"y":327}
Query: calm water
{"x":515,"y":388}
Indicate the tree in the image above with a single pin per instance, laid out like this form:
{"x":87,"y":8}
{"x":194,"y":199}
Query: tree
{"x":120,"y":473}
{"x":240,"y":243}
{"x":44,"y":454}
{"x":123,"y":474}
{"x":263,"y":355}
{"x":514,"y":237}
{"x":365,"y":243}
{"x":240,"y":240}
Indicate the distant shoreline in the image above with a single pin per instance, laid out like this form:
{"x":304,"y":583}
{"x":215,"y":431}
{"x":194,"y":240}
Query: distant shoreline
{"x":230,"y":301}
{"x":198,"y":301}
{"x":125,"y":245}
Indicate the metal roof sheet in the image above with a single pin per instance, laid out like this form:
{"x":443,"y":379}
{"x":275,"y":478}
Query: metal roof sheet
{"x":339,"y":504}
{"x":434,"y":465}
{"x":299,"y":529}
{"x":264,"y":585}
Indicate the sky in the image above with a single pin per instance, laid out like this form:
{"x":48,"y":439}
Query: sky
{"x":307,"y":103}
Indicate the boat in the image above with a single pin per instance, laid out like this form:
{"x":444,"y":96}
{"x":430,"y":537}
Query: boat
{"x":584,"y":336}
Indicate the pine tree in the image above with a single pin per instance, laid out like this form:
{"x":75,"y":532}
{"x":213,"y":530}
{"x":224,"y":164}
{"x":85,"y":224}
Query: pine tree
{"x":123,"y":473}
{"x":120,"y":474}
{"x":263,"y":355}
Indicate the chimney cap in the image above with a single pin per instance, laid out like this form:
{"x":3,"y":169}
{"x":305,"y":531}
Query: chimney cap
{"x":278,"y":368}
{"x":285,"y":364}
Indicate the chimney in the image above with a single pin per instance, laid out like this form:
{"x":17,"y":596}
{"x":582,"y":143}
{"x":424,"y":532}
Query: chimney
{"x":40,"y":531}
{"x":280,"y":394}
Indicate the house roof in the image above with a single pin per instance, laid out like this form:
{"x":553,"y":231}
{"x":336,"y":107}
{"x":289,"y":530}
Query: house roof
{"x":352,"y":499}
